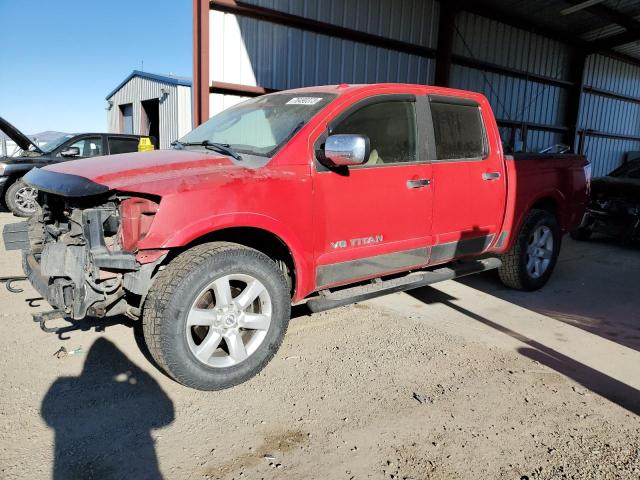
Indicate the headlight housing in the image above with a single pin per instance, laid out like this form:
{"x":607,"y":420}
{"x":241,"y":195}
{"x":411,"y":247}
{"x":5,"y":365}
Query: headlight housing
{"x":2,"y":167}
{"x":136,"y":216}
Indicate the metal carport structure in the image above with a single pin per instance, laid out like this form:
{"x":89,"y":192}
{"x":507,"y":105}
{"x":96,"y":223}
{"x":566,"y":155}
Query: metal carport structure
{"x":555,"y":71}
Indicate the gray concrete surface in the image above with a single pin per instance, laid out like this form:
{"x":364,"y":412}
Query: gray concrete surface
{"x":464,"y":380}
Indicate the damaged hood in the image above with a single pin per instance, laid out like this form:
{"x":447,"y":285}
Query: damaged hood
{"x":159,"y":172}
{"x":24,"y":142}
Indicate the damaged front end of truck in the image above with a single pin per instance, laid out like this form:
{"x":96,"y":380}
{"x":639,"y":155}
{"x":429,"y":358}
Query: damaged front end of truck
{"x":80,"y":248}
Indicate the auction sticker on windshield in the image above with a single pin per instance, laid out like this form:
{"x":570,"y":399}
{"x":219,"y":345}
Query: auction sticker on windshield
{"x":304,"y":101}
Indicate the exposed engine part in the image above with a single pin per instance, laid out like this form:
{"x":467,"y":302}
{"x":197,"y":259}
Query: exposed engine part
{"x":616,"y":217}
{"x":76,"y":257}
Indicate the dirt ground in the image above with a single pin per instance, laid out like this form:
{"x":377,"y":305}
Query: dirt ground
{"x":466,"y":380}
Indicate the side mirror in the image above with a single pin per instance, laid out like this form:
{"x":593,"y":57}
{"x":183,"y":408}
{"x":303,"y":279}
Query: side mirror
{"x":345,"y":150}
{"x":70,"y":152}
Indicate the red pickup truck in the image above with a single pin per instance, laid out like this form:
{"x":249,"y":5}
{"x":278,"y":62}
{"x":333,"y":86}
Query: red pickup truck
{"x":325,"y":195}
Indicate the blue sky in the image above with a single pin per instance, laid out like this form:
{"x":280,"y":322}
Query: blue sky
{"x":59,"y":59}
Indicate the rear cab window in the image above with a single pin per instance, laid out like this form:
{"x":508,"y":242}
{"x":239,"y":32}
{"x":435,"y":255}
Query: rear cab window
{"x":458,"y":129}
{"x":122,"y":145}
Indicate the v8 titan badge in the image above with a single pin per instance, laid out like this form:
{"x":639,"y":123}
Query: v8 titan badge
{"x":356,"y":242}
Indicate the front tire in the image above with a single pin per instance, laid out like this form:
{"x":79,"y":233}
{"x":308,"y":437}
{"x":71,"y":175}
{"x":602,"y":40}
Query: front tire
{"x":216,"y":315}
{"x":21,"y":199}
{"x":529,"y":263}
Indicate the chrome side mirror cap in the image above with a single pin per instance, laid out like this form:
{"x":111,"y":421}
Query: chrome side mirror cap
{"x":71,"y":152}
{"x":346,"y":150}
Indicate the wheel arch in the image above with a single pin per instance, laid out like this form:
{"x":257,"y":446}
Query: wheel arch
{"x":262,"y":239}
{"x":547,"y":203}
{"x":259,"y":239}
{"x":12,"y":177}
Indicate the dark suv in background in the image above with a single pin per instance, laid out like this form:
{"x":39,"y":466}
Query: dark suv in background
{"x":19,"y":197}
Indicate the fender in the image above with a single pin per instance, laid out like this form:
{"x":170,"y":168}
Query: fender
{"x":303,"y":259}
{"x":553,"y":194}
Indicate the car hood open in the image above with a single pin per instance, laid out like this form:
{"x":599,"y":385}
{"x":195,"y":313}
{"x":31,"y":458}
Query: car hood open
{"x":159,"y":173}
{"x":17,"y":136}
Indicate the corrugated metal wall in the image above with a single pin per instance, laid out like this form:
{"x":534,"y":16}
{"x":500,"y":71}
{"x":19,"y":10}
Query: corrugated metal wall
{"x":172,"y":107}
{"x":610,"y":115}
{"x":513,"y":99}
{"x":254,"y":52}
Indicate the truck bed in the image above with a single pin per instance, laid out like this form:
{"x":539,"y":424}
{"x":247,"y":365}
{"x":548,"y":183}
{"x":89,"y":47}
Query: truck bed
{"x":560,"y":178}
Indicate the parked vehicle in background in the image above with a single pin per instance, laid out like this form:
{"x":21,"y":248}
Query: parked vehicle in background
{"x":326,"y":195}
{"x":21,"y":198}
{"x":614,"y":208}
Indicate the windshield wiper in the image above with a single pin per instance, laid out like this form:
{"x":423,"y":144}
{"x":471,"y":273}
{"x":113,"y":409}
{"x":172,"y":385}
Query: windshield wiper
{"x":224,"y":148}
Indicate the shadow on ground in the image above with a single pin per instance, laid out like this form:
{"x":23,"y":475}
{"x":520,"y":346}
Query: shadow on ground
{"x":103,"y":418}
{"x":594,"y":287}
{"x":599,"y":383}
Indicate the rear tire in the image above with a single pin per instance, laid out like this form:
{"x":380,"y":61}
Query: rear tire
{"x":216,"y":315}
{"x":21,"y":199}
{"x":529,"y":263}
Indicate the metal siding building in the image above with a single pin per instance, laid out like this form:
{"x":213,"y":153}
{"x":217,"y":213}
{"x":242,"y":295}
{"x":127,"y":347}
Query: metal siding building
{"x":141,"y":90}
{"x":611,"y":108}
{"x":551,"y":78}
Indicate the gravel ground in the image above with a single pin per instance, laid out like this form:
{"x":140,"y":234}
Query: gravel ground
{"x":468,"y":380}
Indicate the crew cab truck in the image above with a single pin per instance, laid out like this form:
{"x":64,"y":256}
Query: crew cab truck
{"x":325,"y":195}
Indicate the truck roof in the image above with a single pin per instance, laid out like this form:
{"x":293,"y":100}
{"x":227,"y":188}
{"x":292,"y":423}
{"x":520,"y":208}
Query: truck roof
{"x":347,"y":88}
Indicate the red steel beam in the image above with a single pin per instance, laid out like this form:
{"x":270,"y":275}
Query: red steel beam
{"x":200,"y":61}
{"x":237,"y":89}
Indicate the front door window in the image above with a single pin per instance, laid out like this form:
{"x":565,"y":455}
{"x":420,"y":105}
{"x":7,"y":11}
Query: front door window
{"x":87,"y":147}
{"x":391,"y":129}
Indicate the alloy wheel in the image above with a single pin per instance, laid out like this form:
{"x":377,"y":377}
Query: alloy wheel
{"x":539,"y":251}
{"x":27,"y":199}
{"x":229,"y":320}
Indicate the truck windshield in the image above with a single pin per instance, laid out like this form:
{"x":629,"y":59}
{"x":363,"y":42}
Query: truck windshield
{"x":260,"y":126}
{"x":53,"y":144}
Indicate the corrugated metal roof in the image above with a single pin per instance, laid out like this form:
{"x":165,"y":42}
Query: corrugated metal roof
{"x":631,"y":49}
{"x":585,"y":24}
{"x":547,"y":13}
{"x":628,"y":7}
{"x":163,"y":78}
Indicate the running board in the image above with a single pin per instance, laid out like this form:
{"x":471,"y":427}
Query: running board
{"x":327,"y":301}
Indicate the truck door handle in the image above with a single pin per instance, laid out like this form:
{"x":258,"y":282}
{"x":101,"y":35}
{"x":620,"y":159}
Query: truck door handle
{"x":491,"y":176}
{"x":419,"y":183}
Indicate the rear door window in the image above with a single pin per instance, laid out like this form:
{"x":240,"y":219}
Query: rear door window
{"x":459,"y":131}
{"x":122,"y":145}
